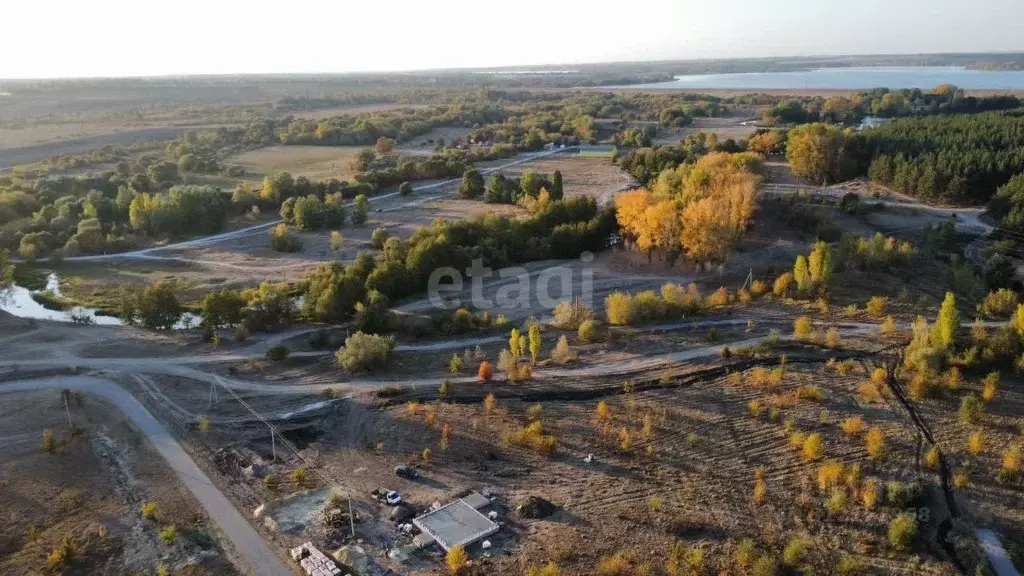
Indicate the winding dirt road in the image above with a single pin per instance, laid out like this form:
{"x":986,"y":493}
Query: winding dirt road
{"x":259,"y":558}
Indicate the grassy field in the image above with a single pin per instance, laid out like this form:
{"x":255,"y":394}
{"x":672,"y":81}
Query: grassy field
{"x":313,"y":162}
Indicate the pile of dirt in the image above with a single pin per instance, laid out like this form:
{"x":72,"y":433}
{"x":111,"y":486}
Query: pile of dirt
{"x":536,"y":507}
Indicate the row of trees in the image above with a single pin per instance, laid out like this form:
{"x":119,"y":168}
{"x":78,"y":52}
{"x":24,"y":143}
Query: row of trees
{"x":365,"y":287}
{"x":501,"y":189}
{"x":699,"y":209}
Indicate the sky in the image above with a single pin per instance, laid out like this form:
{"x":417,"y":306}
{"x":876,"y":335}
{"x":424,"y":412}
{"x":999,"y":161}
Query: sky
{"x":75,"y":38}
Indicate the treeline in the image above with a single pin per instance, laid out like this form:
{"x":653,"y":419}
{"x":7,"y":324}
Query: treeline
{"x":645,"y":164}
{"x":384,"y":171}
{"x":501,"y":189}
{"x":944,"y":99}
{"x":955,"y":159}
{"x":364,"y":288}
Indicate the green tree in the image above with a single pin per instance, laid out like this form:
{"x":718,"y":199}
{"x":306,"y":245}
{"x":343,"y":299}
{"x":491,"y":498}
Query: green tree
{"x":361,"y":210}
{"x":405,"y":188}
{"x":516,"y":343}
{"x":472,"y":184}
{"x":157,"y":307}
{"x":555,"y":190}
{"x":384,"y":146}
{"x":802,"y":274}
{"x":222,"y":308}
{"x":140,"y":211}
{"x":6,"y":273}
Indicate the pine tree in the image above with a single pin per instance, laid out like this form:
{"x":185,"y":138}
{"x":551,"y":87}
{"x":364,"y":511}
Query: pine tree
{"x":949,"y":321}
{"x":802,"y":274}
{"x":556,"y":191}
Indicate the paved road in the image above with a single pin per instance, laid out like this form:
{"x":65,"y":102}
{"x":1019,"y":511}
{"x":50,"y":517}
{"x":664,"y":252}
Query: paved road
{"x":260,"y":559}
{"x":997,"y":555}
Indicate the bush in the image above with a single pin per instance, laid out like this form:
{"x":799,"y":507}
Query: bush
{"x":719,"y":297}
{"x":49,"y":442}
{"x":903,"y":531}
{"x":830,"y":474}
{"x":931,"y":458}
{"x":976,"y":443}
{"x":278,"y":353}
{"x":758,"y":288}
{"x":999,"y":304}
{"x":783,"y":284}
{"x":455,"y":365}
{"x":850,"y":566}
{"x":796,"y":551}
{"x":837,"y":500}
{"x":282,"y":239}
{"x":571,"y":315}
{"x":902,"y":495}
{"x":876,"y":306}
{"x":989,"y":386}
{"x":970,"y":409}
{"x":485,"y":372}
{"x":149,"y":510}
{"x":875,"y":441}
{"x":299,"y":476}
{"x":533,"y":437}
{"x":588,"y":331}
{"x":617,"y":564}
{"x":168,"y":534}
{"x":765,"y":566}
{"x":813,"y":447}
{"x":379,"y":237}
{"x":810,"y":392}
{"x":365,"y":352}
{"x":802,"y":328}
{"x":1012,"y":463}
{"x":853,"y":425}
{"x":456,"y":560}
{"x":562,"y":353}
{"x":270,"y":481}
{"x":550,"y":569}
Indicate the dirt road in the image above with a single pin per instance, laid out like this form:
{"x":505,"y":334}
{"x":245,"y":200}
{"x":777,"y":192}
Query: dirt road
{"x":260,"y":559}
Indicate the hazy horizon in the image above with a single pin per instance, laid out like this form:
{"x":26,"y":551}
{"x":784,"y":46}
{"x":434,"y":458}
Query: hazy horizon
{"x":113,"y":38}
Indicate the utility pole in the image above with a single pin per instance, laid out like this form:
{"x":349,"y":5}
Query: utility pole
{"x":273,"y":444}
{"x":64,"y":394}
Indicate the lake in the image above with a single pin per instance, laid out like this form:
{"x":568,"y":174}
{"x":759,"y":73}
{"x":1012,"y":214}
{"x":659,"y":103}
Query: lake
{"x":851,"y":78}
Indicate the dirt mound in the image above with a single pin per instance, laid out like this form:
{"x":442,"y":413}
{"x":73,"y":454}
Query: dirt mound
{"x":536,"y":507}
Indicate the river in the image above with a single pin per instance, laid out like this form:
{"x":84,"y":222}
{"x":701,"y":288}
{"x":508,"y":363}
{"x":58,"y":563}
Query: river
{"x":850,"y":78}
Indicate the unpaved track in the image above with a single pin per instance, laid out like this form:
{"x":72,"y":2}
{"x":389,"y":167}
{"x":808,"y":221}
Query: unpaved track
{"x":147,"y":253}
{"x":259,"y":558}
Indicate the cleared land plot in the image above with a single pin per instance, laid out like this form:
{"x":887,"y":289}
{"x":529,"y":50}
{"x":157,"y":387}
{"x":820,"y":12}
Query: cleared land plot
{"x":598,"y":177}
{"x":725,"y":128}
{"x":313,"y":162}
{"x":91,"y":489}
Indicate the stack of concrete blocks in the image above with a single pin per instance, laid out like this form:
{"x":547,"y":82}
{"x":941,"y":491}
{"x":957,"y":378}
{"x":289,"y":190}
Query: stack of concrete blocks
{"x":314,"y":562}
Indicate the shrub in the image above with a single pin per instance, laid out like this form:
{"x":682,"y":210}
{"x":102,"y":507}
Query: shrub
{"x":830,"y":474}
{"x":365,"y":352}
{"x":427,"y":454}
{"x":811,"y":393}
{"x":783,"y":284}
{"x":970,"y":409}
{"x":1012,"y":463}
{"x":796,"y":551}
{"x":603,"y":412}
{"x":299,"y":476}
{"x":832,"y":338}
{"x":754,"y":408}
{"x":562,"y":353}
{"x":588,"y":331}
{"x":999,"y":304}
{"x":719,"y":297}
{"x":336,"y":241}
{"x":278,"y":352}
{"x":550,"y":569}
{"x":66,"y":550}
{"x":850,"y":566}
{"x":989,"y":386}
{"x":149,"y":510}
{"x":813,"y":447}
{"x":931,"y":458}
{"x":455,"y":364}
{"x":617,"y":564}
{"x":168,"y":534}
{"x":871,"y":494}
{"x":49,"y":442}
{"x":456,"y":560}
{"x":282,"y":239}
{"x":445,"y":389}
{"x":903,"y":531}
{"x":571,"y":315}
{"x":378,"y":238}
{"x":270,"y":481}
{"x":533,"y":437}
{"x":485,"y":372}
{"x":875,"y":441}
{"x":758,"y":288}
{"x":619,"y":309}
{"x":888,"y":326}
{"x":802,"y":328}
{"x":902,"y":494}
{"x":837,"y":500}
{"x":745,"y":554}
{"x":876,"y":306}
{"x":976,"y":443}
{"x":961,"y":479}
{"x":853,"y":425}
{"x":760,"y":490}
{"x":625,"y":440}
{"x":765,"y":566}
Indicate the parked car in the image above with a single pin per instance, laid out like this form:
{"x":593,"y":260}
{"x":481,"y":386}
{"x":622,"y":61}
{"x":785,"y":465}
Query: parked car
{"x":393,"y":498}
{"x":407,"y":472}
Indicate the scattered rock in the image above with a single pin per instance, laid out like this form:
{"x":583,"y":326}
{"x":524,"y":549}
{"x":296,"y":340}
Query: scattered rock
{"x":259,"y":511}
{"x":536,"y":507}
{"x":357,"y":561}
{"x":270,"y":523}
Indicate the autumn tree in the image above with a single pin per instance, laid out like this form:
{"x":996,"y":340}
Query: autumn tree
{"x":820,"y":264}
{"x":535,"y":341}
{"x":949,"y":321}
{"x":802,"y":274}
{"x":817,"y":152}
{"x":384,"y":146}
